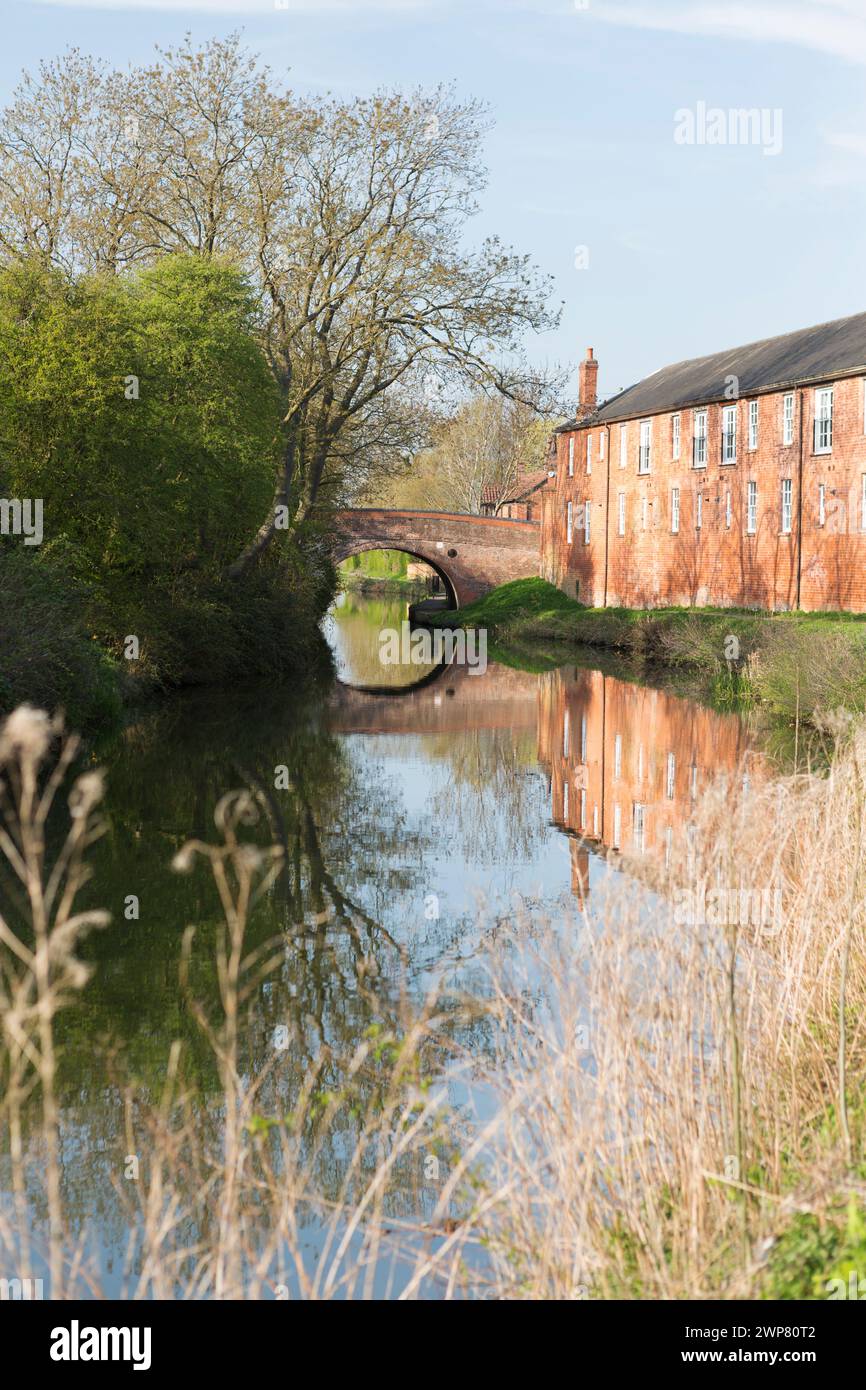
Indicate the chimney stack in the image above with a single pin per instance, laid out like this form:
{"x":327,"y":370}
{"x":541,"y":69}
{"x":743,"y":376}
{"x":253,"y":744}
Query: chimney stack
{"x":587,"y":389}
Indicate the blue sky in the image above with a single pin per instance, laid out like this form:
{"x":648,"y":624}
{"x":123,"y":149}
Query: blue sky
{"x":690,"y":247}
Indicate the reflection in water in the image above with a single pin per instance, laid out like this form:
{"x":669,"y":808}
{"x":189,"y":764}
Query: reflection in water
{"x":412,"y":825}
{"x":352,"y":628}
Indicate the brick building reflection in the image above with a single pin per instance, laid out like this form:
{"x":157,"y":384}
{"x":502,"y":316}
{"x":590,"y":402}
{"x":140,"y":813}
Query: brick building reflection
{"x":627,"y":763}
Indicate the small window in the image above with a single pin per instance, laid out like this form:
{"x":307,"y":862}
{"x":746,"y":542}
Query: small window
{"x":675,"y":436}
{"x":566,"y":734}
{"x":699,"y":444}
{"x":699,"y":511}
{"x":729,"y":434}
{"x":617,"y":756}
{"x":638,"y":826}
{"x":623,"y":445}
{"x":753,"y":424}
{"x":728,"y":517}
{"x":571,"y":456}
{"x":589,"y":453}
{"x":751,"y":508}
{"x":620,"y":518}
{"x":569,"y":522}
{"x":671,"y":778}
{"x":788,"y":418}
{"x":822,"y":505}
{"x":675,"y":509}
{"x":587,"y":519}
{"x":565,"y":801}
{"x":583,"y":809}
{"x":824,"y":420}
{"x":645,"y":446}
{"x":787,"y":509}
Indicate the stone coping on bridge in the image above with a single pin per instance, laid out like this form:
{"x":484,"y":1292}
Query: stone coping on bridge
{"x":440,"y":516}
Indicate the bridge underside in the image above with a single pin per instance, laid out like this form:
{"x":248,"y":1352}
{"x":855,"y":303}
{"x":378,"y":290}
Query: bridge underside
{"x":471,"y":554}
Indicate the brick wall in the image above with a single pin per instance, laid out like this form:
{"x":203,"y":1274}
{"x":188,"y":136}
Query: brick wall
{"x":819,"y":564}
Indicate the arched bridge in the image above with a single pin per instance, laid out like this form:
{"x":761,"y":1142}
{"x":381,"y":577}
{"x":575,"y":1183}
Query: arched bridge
{"x":472,"y":554}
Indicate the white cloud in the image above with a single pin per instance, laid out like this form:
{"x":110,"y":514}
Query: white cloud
{"x":837,"y":27}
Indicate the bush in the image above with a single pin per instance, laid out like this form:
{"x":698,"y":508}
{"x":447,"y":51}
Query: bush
{"x":47,"y":656}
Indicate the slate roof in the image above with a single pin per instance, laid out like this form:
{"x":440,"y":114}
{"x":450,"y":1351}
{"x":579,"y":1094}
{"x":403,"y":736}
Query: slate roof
{"x":804,"y":357}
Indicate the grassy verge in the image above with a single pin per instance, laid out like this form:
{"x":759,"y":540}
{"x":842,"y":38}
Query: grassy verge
{"x":799,"y":666}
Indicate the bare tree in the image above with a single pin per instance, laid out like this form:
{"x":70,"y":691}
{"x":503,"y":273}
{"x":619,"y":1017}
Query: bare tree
{"x":348,"y":216}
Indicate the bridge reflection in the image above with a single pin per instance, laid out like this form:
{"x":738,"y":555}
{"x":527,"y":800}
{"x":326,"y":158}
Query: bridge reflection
{"x":625,"y":763}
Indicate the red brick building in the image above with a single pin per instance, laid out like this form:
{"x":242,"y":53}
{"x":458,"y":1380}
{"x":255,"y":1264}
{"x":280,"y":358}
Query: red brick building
{"x":735,"y":479}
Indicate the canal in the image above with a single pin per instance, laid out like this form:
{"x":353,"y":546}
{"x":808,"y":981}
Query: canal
{"x":420,"y":811}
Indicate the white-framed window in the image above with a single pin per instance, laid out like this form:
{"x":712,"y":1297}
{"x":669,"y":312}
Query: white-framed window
{"x":643,"y":465}
{"x":675,"y":436}
{"x":644,"y":512}
{"x":753,"y":424}
{"x":638,"y":826}
{"x":566,"y":733}
{"x":583,"y":808}
{"x":671,"y":776}
{"x":787,"y":505}
{"x":751,"y":508}
{"x":729,"y":434}
{"x":728,"y":511}
{"x":620,"y":514}
{"x":623,"y":445}
{"x":583,"y":738}
{"x":788,"y":418}
{"x":587,"y":521}
{"x":565,"y":801}
{"x":824,"y":420}
{"x":571,"y":456}
{"x":617,"y":756}
{"x":675,"y":509}
{"x":822,"y":505}
{"x":699,"y":443}
{"x":589,"y":453}
{"x":601,"y":444}
{"x":617,"y":826}
{"x":699,"y":510}
{"x":569,"y":522}
{"x":693,"y":788}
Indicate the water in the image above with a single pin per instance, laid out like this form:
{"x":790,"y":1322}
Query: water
{"x":415,"y":821}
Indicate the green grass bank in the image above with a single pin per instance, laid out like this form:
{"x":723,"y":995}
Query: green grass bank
{"x":798,"y":666}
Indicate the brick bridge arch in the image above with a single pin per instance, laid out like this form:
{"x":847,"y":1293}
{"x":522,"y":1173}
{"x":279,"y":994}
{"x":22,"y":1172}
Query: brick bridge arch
{"x":471,"y":553}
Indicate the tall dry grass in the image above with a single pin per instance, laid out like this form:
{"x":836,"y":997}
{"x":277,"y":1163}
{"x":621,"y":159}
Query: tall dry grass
{"x":671,"y":1096}
{"x":685,"y":1091}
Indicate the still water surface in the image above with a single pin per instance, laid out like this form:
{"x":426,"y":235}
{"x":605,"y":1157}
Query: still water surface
{"x":415,"y":821}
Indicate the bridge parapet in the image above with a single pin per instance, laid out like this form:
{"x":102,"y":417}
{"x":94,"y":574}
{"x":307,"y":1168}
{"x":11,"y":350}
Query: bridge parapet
{"x":472,"y":553}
